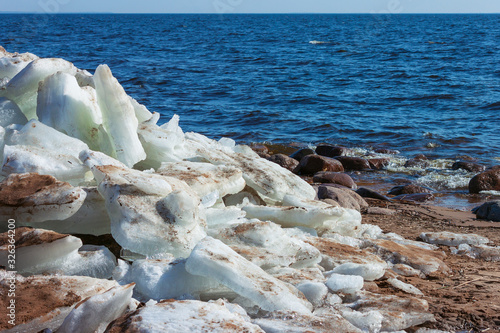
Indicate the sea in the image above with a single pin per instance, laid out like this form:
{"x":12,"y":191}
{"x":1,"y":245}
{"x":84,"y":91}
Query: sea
{"x":420,"y":84}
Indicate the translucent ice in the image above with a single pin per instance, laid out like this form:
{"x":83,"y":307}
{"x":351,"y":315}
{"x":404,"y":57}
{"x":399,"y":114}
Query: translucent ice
{"x":119,"y":118}
{"x":96,"y":312}
{"x":408,"y":288}
{"x":347,"y":284}
{"x":186,"y":316}
{"x":149,"y":213}
{"x":23,"y":88}
{"x":10,"y":113}
{"x":13,"y":63}
{"x":452,"y":239}
{"x":315,"y":292}
{"x":212,"y":258}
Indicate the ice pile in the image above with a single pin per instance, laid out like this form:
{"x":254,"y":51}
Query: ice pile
{"x":222,"y":239}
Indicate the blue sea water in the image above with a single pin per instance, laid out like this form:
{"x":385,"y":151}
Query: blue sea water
{"x":418,"y":83}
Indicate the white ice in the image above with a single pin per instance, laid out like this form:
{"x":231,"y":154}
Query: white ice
{"x":347,"y":284}
{"x":10,"y":113}
{"x":452,"y":239}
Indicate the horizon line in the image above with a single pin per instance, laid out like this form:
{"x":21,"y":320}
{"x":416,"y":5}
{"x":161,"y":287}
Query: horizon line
{"x":270,"y":13}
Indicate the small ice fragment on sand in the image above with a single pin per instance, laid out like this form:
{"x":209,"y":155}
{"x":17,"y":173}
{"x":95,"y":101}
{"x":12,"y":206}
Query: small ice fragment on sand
{"x":347,"y":284}
{"x":452,"y":239}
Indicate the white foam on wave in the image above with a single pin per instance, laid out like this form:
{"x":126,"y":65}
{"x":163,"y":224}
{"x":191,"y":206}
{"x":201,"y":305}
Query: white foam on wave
{"x":445,"y":179}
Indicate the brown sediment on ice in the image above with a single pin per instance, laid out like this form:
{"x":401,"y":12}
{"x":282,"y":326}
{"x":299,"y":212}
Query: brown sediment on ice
{"x":21,"y":190}
{"x":28,"y":237}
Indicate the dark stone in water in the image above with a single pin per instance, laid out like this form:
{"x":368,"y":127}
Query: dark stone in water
{"x":311,"y":164}
{"x":301,"y":153}
{"x":468,"y":166}
{"x":261,"y":150}
{"x":334,"y":178}
{"x":386,"y":151}
{"x":368,"y":193}
{"x":485,"y":181}
{"x":419,"y":161}
{"x":409,"y":189}
{"x":284,"y":161}
{"x":353,"y":163}
{"x":345,"y":197}
{"x":488,"y":211}
{"x":332,"y":151}
{"x":378,"y":163}
{"x":418,"y":197}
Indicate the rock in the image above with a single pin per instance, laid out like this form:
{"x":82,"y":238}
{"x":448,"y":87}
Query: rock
{"x":419,"y":161}
{"x":43,"y":301}
{"x":346,"y":284}
{"x":418,"y":197}
{"x":96,"y":312}
{"x":368,"y":193}
{"x":485,"y":181}
{"x":380,"y":211}
{"x":427,"y":261}
{"x":489,"y":211}
{"x":468,"y":166}
{"x":186,"y":316}
{"x":452,"y":239}
{"x":261,"y":150}
{"x":334,"y":178}
{"x":378,"y":163}
{"x":345,"y":197}
{"x":213,"y":259}
{"x":34,"y":198}
{"x":409,"y":189}
{"x":386,"y":151}
{"x":41,"y":251}
{"x":353,"y":163}
{"x":312,"y":164}
{"x":332,"y":151}
{"x":301,"y":153}
{"x":284,"y":161}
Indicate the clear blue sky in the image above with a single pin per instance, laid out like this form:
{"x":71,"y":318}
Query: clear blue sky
{"x":253,"y":6}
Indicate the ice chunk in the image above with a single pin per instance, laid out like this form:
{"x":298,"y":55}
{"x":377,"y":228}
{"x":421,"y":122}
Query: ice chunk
{"x":149,"y":213}
{"x":42,"y":251}
{"x":205,"y":178}
{"x":267,"y":245}
{"x":60,"y":295}
{"x":451,"y":239}
{"x":315,"y":292}
{"x":95,"y":313}
{"x":95,"y":158}
{"x":22,"y":89}
{"x":72,"y":110}
{"x":119,"y":118}
{"x":165,"y":279}
{"x":484,"y":252}
{"x":427,"y":261}
{"x":290,"y":216}
{"x":186,"y":316}
{"x":345,"y":259}
{"x":406,"y":270}
{"x":217,"y":217}
{"x":407,"y":288}
{"x":398,"y":313}
{"x":212,"y":258}
{"x":13,"y":63}
{"x":33,"y":198}
{"x":297,"y":276}
{"x":269,"y":179}
{"x":10,"y":113}
{"x":347,"y":284}
{"x":293,"y":322}
{"x":369,"y":321}
{"x":141,"y":112}
{"x":391,"y":236}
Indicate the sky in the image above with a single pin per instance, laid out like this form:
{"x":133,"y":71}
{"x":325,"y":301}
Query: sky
{"x":252,"y":6}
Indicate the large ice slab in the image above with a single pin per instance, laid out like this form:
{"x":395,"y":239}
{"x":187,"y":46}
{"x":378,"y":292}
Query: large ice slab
{"x":453,"y":239}
{"x":212,"y":258}
{"x":33,"y":198}
{"x":64,"y":106}
{"x":205,"y":178}
{"x":53,"y":296}
{"x":267,"y":245}
{"x":23,"y":88}
{"x":95,"y":313}
{"x":119,"y":118}
{"x":149,"y":213}
{"x":186,"y":316}
{"x":13,"y":63}
{"x":160,"y":279}
{"x":41,"y":251}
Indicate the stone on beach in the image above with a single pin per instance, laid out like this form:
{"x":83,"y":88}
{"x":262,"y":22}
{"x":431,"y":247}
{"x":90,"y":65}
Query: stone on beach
{"x":409,"y":189}
{"x":468,"y":166}
{"x":335,"y":178}
{"x":485,"y":181}
{"x":185,"y":316}
{"x":284,"y":161}
{"x":301,"y":153}
{"x":489,"y":211}
{"x":332,"y":151}
{"x":213,"y":259}
{"x":312,"y":164}
{"x":345,"y":197}
{"x":353,"y":163}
